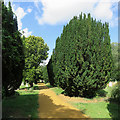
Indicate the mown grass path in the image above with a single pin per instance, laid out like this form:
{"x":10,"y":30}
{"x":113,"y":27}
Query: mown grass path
{"x":51,"y":106}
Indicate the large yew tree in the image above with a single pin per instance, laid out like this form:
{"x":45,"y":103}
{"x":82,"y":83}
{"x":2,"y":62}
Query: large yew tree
{"x":12,"y":52}
{"x":82,"y":61}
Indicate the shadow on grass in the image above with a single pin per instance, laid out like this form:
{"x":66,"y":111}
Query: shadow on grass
{"x":20,"y":105}
{"x":114,"y":110}
{"x":99,"y":93}
{"x":40,"y":87}
{"x":24,"y":88}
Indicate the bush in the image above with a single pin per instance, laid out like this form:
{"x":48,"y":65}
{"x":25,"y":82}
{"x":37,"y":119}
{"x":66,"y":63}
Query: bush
{"x":101,"y":93}
{"x":115,"y":93}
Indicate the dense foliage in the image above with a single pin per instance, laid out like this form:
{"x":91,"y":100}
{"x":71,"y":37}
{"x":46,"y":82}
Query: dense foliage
{"x":116,"y":59}
{"x":82,"y":60}
{"x":45,"y":74}
{"x":115,"y":93}
{"x":12,"y":51}
{"x":35,"y":52}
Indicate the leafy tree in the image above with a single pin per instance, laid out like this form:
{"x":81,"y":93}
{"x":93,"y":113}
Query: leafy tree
{"x":81,"y":62}
{"x":12,"y":51}
{"x":35,"y":51}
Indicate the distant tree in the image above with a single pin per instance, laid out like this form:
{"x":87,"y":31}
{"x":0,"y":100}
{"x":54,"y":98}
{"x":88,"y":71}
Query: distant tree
{"x":82,"y":60}
{"x":12,"y":51}
{"x":116,"y":71}
{"x":35,"y":51}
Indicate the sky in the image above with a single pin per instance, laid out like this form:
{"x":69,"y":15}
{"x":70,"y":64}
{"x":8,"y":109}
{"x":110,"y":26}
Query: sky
{"x":46,"y":18}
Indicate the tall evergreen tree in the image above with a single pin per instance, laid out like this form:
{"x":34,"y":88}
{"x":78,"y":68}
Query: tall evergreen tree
{"x":12,"y":51}
{"x":82,"y":58}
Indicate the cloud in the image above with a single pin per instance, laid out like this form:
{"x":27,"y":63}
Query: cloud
{"x":26,"y":33}
{"x":29,"y":10}
{"x":58,"y":11}
{"x":20,"y":13}
{"x":36,"y":3}
{"x":103,"y":11}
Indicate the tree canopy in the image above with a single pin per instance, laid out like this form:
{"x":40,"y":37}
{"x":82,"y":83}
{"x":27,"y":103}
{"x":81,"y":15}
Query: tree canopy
{"x":35,"y":52}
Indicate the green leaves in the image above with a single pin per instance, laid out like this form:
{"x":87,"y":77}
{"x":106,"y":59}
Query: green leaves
{"x":35,"y":52}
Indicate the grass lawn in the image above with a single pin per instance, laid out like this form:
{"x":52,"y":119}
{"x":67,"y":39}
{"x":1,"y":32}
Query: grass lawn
{"x":23,"y":104}
{"x":99,"y":110}
{"x":96,"y":110}
{"x":93,"y":110}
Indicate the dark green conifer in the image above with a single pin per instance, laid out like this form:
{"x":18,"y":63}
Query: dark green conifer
{"x":82,"y":58}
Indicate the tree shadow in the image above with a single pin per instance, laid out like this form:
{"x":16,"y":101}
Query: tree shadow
{"x":20,"y":106}
{"x":40,"y":87}
{"x":24,"y":88}
{"x":114,"y":110}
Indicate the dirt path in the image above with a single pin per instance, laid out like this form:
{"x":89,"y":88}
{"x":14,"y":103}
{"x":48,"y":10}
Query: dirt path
{"x":51,"y":106}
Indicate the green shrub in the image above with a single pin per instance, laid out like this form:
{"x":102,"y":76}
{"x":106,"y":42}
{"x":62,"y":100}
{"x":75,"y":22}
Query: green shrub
{"x":101,"y":93}
{"x":115,"y":93}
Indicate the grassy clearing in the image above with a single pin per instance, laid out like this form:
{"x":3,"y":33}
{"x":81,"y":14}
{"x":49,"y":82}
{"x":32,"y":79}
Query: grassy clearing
{"x":23,"y":104}
{"x":94,"y":110}
{"x":99,"y":110}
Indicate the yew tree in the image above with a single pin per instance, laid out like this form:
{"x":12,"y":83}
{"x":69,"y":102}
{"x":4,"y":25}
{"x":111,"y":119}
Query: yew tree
{"x":12,"y":52}
{"x":82,"y":59}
